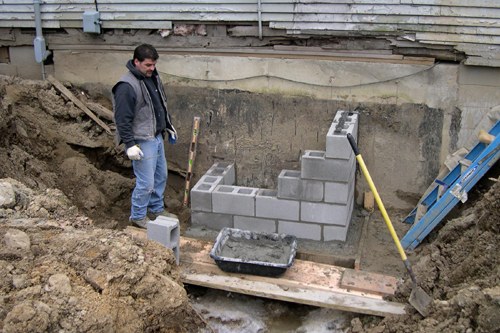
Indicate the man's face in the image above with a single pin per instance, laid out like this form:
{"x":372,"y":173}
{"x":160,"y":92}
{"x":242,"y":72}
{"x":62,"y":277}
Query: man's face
{"x":145,"y":67}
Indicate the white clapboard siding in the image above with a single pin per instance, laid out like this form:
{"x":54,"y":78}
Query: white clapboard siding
{"x":474,"y":23}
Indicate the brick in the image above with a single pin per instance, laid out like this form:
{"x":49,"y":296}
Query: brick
{"x":291,"y":186}
{"x":224,"y":169}
{"x":254,"y":224}
{"x":316,"y":166}
{"x":212,"y":220}
{"x":340,"y":192}
{"x":326,"y":213}
{"x":300,"y":230}
{"x":201,"y":193}
{"x":267,"y":204}
{"x":337,"y":144}
{"x":166,"y":231}
{"x":236,"y":200}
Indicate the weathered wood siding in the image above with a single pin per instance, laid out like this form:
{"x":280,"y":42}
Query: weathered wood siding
{"x":470,"y":26}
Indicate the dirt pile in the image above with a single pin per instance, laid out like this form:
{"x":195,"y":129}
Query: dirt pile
{"x":63,"y":274}
{"x":460,"y":270}
{"x":47,"y":143}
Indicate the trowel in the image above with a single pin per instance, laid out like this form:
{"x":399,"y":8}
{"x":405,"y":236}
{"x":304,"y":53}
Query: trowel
{"x":418,"y":297}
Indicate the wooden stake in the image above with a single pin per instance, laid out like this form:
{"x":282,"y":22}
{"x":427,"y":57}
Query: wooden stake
{"x":191,"y":156}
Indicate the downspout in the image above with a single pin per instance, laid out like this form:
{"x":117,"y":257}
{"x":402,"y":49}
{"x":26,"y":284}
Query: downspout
{"x":41,"y":52}
{"x":260,"y":18}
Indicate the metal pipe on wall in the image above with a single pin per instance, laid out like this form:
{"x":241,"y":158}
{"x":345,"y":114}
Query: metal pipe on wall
{"x":41,"y":52}
{"x":259,"y":9}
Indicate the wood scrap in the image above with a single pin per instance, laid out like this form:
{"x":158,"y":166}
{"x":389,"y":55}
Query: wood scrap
{"x":77,"y":102}
{"x":100,"y":110}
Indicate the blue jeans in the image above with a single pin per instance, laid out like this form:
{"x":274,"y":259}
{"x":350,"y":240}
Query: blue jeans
{"x":151,"y":178}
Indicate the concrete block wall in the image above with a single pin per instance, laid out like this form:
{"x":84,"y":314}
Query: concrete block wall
{"x":314,"y":203}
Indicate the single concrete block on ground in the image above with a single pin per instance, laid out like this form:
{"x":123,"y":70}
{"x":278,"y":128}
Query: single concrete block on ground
{"x":326,"y":213}
{"x":340,"y":192}
{"x":291,"y":186}
{"x":224,"y":169}
{"x":254,"y":224}
{"x":166,"y":231}
{"x":267,"y":204}
{"x":337,"y":144}
{"x":201,"y":193}
{"x":212,"y":220}
{"x":236,"y":200}
{"x":300,"y":230}
{"x":316,"y":166}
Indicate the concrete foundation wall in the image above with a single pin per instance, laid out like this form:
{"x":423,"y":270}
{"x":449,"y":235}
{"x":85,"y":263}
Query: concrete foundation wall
{"x":263,"y":113}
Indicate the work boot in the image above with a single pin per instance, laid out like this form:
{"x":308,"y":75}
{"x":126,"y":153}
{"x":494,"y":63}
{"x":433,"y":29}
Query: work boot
{"x":152,"y":216}
{"x":141,"y":223}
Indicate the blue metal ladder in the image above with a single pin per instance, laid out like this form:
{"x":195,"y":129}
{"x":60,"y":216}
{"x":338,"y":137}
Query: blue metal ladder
{"x":454,"y":187}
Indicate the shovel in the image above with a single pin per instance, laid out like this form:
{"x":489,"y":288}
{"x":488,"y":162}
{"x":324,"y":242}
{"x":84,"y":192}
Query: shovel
{"x":418,"y":298}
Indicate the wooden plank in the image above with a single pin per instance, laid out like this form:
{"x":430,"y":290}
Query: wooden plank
{"x":459,"y":3}
{"x":334,"y":260}
{"x":361,"y":246}
{"x":77,"y":102}
{"x":368,"y":282}
{"x":463,"y":21}
{"x":305,"y":282}
{"x":471,"y":12}
{"x":443,"y":37}
{"x":250,"y":52}
{"x":480,"y":61}
{"x":100,"y":110}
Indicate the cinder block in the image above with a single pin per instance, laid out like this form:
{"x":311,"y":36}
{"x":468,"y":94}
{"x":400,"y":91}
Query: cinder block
{"x":224,"y":169}
{"x":312,"y":190}
{"x":326,"y":213}
{"x":254,"y":224}
{"x":291,"y":186}
{"x":337,"y":144}
{"x":338,"y":233}
{"x":335,"y":233}
{"x":24,"y":56}
{"x":234,"y":200}
{"x":300,"y":230}
{"x":316,"y":166}
{"x":267,"y":204}
{"x":166,"y":231}
{"x":340,"y":192}
{"x":212,"y":220}
{"x":201,"y":193}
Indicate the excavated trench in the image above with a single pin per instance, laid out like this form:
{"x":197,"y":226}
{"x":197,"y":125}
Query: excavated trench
{"x":48,"y":143}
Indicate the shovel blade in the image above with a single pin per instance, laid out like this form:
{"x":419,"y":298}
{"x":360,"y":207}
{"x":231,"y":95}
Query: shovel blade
{"x":420,"y":300}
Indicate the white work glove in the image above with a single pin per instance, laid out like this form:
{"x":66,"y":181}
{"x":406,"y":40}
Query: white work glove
{"x":135,"y":153}
{"x":172,"y":135}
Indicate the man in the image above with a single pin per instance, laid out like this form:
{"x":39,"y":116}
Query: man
{"x":142,"y":122}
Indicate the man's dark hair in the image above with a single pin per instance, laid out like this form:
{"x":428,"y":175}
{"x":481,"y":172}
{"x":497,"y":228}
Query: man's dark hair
{"x":145,"y":51}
